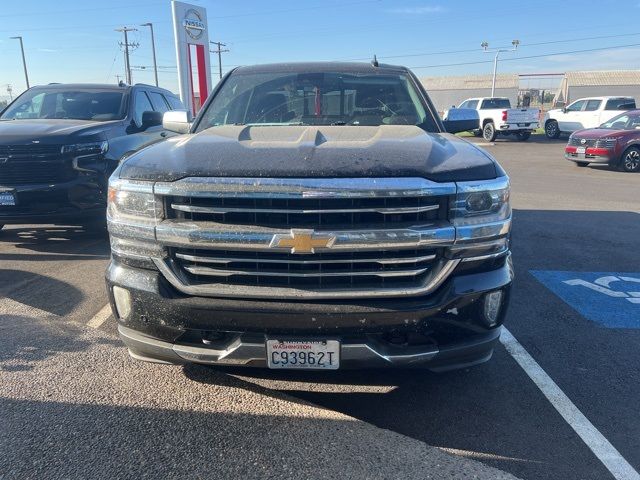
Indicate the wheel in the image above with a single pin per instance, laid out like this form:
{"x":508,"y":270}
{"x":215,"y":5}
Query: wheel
{"x":551,"y":130}
{"x":523,"y":136}
{"x":489,"y":132}
{"x":582,"y":164}
{"x":630,"y":161}
{"x":477,"y":133}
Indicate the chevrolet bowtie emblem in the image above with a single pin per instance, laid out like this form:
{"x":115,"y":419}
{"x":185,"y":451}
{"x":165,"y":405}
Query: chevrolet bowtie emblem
{"x":302,"y":241}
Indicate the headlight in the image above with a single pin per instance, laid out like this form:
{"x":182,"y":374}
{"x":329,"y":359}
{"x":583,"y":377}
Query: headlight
{"x":481,"y":210}
{"x":86,"y":148}
{"x":132,"y":209}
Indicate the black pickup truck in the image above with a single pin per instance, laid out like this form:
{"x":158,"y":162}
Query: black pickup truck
{"x":59,"y":144}
{"x":313,"y":216}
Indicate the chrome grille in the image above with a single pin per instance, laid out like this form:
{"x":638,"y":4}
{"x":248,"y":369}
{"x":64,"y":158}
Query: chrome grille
{"x":309,"y":212}
{"x":322,"y":270}
{"x":386,"y":237}
{"x":592,"y":142}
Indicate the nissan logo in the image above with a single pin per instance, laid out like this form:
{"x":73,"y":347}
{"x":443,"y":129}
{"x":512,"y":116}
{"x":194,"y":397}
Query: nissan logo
{"x":583,"y":141}
{"x":193,"y":24}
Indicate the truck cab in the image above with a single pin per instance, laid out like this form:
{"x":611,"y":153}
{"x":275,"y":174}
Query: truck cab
{"x":585,"y":113}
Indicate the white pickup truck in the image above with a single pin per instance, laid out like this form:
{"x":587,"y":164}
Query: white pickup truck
{"x":585,"y":113}
{"x":497,"y":117}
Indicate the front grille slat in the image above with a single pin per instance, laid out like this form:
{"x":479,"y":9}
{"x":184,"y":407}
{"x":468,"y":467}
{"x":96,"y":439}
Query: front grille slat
{"x":381,"y":261}
{"x":213,"y":272}
{"x":33,"y":164}
{"x":592,"y":142}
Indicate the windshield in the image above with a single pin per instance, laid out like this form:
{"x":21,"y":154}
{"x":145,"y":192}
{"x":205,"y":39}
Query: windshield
{"x":624,"y":121}
{"x":100,"y":105}
{"x":324,"y":98}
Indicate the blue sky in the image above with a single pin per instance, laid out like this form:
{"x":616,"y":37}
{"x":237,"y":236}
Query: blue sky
{"x":73,"y":41}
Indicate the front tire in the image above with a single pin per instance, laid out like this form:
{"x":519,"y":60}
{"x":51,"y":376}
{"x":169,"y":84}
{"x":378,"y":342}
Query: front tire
{"x":552,"y":130}
{"x":489,"y":132}
{"x":523,"y":136}
{"x":630,"y":161}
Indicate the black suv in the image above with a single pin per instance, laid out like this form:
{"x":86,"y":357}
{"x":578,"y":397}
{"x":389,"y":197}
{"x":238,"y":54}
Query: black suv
{"x":59,"y":144}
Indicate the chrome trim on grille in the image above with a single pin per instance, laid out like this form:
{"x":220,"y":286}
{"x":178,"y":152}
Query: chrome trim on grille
{"x":213,"y":272}
{"x":381,"y":261}
{"x":440,"y":274}
{"x":223,"y":210}
{"x":304,"y":187}
{"x":205,"y":235}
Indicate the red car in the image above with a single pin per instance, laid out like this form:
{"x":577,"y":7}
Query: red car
{"x":616,"y":142}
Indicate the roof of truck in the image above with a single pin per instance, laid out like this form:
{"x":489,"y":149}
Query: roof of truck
{"x":310,"y":67}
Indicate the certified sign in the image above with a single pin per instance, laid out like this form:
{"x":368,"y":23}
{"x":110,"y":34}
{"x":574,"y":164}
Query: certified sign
{"x":193,"y":24}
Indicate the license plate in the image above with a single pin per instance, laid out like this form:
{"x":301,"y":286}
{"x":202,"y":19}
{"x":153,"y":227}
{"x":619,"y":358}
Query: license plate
{"x":581,"y":150}
{"x":308,"y":355}
{"x":7,"y":199}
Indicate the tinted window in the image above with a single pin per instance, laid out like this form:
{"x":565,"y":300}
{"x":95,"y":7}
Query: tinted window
{"x":158,"y":101}
{"x":317,"y":98}
{"x":496,"y":103}
{"x":142,"y":104}
{"x":85,"y":104}
{"x":620,"y":104}
{"x":576,"y":106}
{"x":464,"y":104}
{"x":592,"y":105}
{"x":624,"y":121}
{"x":175,"y":102}
{"x":473,"y":104}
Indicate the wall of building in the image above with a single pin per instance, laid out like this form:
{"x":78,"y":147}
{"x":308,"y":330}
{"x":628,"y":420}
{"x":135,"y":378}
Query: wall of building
{"x":576,"y":92}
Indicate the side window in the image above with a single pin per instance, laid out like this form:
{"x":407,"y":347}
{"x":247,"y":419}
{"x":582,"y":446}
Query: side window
{"x":473,"y":104}
{"x":174,"y":102}
{"x":158,"y":101}
{"x":620,"y":104}
{"x":142,"y":104}
{"x":464,"y":104}
{"x":576,"y":106}
{"x":592,"y":105}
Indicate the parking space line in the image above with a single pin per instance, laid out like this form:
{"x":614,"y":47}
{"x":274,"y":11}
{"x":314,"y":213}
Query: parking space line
{"x":597,"y":443}
{"x":100,"y":317}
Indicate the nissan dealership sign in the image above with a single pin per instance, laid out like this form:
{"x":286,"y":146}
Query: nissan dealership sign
{"x":192,"y":53}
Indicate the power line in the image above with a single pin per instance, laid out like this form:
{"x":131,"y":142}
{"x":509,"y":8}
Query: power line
{"x":219,"y":51}
{"x":126,"y":45}
{"x":530,"y":56}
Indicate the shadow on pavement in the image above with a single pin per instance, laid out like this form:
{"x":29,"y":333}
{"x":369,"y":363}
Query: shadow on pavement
{"x":39,"y":291}
{"x":23,"y":345}
{"x":58,"y":242}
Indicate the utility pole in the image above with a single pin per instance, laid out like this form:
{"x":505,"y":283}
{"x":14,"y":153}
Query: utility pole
{"x":126,"y":45}
{"x":10,"y":92}
{"x":153,"y":49}
{"x":485,"y":46}
{"x":219,"y":51}
{"x":24,"y":61}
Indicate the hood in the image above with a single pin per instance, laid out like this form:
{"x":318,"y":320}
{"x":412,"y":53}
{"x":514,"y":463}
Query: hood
{"x":53,"y":131}
{"x":311,"y":151}
{"x":598,"y":133}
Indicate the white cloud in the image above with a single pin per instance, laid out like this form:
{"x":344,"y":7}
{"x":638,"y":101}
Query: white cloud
{"x":418,"y":10}
{"x":47,"y":50}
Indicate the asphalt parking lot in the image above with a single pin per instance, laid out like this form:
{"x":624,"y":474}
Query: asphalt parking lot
{"x":74,"y":404}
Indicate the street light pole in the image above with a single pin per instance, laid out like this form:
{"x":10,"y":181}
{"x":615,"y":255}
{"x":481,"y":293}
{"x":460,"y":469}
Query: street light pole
{"x":24,"y":61}
{"x":153,"y":49}
{"x":485,"y":45}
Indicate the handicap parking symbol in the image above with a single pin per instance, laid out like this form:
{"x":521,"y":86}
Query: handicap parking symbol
{"x":611,"y":299}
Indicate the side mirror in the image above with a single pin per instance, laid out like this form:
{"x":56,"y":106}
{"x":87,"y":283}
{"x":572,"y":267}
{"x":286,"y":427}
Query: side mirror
{"x":461,"y":120}
{"x":151,"y":119}
{"x":178,"y":121}
{"x":564,"y":109}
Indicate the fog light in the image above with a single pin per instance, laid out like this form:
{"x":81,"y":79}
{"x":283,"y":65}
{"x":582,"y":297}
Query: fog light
{"x":123,"y":302}
{"x":492,"y":303}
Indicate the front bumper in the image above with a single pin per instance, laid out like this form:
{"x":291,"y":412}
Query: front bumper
{"x":79,"y":199}
{"x":591,"y":155}
{"x":441,"y":331}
